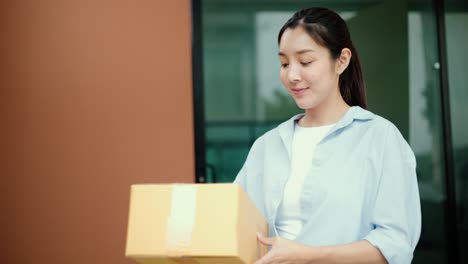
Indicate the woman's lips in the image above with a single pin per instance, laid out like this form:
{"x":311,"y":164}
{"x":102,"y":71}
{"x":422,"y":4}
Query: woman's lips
{"x":299,"y":91}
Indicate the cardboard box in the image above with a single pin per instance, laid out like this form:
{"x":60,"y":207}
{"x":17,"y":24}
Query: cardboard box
{"x":193,"y":223}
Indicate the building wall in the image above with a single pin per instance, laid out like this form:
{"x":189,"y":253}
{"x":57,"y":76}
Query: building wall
{"x":96,"y":95}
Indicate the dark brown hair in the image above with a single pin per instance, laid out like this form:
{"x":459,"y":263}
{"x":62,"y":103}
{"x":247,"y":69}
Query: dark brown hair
{"x":328,"y":29}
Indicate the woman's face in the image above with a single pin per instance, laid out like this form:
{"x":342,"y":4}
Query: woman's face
{"x":307,"y":70}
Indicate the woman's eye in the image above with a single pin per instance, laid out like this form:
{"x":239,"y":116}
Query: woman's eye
{"x":306,"y":63}
{"x":284,"y":65}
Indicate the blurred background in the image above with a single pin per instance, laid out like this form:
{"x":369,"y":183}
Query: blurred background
{"x":414,"y":59}
{"x":98,"y":95}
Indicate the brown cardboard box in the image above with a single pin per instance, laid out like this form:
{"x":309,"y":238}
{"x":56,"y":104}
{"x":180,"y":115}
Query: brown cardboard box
{"x":193,"y":223}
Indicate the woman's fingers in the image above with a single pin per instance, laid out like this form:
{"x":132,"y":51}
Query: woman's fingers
{"x":267,"y":241}
{"x":265,"y":259}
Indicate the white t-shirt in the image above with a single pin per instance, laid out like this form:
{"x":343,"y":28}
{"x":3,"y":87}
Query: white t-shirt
{"x":288,"y":221}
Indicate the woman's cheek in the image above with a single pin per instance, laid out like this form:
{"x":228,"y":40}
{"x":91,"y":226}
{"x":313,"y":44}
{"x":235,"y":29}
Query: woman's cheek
{"x":283,"y":77}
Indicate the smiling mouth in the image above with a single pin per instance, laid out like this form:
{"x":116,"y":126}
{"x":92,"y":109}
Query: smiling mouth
{"x":298,"y":91}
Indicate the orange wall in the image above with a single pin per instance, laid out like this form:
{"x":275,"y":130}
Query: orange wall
{"x":96,"y":95}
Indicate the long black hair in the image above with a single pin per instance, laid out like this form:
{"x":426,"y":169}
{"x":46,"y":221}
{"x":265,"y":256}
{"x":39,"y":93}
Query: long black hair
{"x":328,"y":29}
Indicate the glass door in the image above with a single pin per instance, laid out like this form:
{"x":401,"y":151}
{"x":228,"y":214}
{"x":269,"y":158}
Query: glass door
{"x":456,"y":23}
{"x":397,"y":43}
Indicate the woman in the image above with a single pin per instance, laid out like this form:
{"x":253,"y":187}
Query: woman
{"x":337,"y":184}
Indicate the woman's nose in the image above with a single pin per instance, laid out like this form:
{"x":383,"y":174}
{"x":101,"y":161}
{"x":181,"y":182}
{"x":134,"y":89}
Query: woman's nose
{"x":294,"y":74}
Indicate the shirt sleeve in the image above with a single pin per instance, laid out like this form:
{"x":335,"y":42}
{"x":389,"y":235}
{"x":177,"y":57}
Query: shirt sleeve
{"x":252,"y":157}
{"x":240,"y":178}
{"x":396,"y":215}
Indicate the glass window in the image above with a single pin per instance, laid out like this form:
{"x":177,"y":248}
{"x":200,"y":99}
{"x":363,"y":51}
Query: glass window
{"x":456,"y":22}
{"x":397,"y":44}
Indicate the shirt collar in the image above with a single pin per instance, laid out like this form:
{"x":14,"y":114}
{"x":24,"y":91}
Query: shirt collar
{"x":286,"y":129}
{"x":353,"y":113}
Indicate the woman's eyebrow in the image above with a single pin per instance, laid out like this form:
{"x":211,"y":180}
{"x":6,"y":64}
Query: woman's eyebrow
{"x":297,"y":52}
{"x":305,"y":51}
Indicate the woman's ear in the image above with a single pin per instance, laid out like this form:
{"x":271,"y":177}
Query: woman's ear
{"x":343,"y":60}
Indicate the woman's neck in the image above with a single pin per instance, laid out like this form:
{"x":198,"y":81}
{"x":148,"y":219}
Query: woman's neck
{"x":325,"y":114}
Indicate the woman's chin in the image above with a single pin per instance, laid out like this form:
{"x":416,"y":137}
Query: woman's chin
{"x":304,"y":105}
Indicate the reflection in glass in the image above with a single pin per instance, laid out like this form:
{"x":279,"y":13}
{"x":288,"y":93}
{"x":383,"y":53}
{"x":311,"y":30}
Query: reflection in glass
{"x":456,"y":21}
{"x":396,"y":40}
{"x":425,"y":133}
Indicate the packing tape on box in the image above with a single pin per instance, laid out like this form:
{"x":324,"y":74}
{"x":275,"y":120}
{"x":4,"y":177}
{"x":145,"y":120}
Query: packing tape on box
{"x":181,"y":220}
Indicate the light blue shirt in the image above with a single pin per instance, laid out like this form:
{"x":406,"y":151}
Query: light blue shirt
{"x":361,"y":185}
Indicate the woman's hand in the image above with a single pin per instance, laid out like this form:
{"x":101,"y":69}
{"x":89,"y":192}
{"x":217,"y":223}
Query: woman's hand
{"x":284,"y":251}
